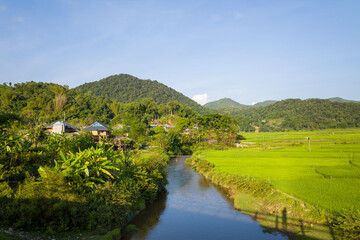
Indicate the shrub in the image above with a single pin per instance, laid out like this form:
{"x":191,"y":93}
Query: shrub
{"x":347,"y":225}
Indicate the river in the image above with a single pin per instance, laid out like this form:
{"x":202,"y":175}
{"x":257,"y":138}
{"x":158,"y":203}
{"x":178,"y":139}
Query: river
{"x":193,"y":208}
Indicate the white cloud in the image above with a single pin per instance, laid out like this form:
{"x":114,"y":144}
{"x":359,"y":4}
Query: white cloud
{"x":201,"y":98}
{"x":253,"y":103}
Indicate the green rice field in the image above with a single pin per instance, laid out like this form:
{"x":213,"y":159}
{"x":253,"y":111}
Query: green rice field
{"x":324,"y":173}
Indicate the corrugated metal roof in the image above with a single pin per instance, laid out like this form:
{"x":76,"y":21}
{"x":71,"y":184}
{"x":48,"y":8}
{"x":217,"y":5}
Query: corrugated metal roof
{"x":97,"y":127}
{"x":60,"y":123}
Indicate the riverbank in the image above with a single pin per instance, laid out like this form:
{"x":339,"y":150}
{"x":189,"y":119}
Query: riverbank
{"x":47,"y":208}
{"x":194,"y":208}
{"x":274,"y":210}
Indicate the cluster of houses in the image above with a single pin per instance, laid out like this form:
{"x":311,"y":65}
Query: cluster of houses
{"x":156,"y":123}
{"x":97,"y":129}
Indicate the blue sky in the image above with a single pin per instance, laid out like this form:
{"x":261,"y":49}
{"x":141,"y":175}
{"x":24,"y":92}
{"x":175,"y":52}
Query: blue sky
{"x":249,"y":51}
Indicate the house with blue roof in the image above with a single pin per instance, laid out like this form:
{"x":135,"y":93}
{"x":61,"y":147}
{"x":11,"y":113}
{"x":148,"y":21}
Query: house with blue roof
{"x":98,"y":129}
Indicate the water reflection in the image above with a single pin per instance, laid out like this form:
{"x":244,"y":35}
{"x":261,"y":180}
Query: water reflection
{"x":194,"y":209}
{"x":148,"y":219}
{"x":203,"y":184}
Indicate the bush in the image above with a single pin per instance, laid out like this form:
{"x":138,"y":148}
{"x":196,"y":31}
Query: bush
{"x":347,"y":225}
{"x":5,"y":190}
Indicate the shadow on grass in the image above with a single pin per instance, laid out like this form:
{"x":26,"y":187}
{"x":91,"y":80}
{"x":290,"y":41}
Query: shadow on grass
{"x":294,"y":228}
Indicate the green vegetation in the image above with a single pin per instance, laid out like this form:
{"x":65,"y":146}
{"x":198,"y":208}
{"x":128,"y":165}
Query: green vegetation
{"x":39,"y":104}
{"x":126,"y":88}
{"x":324,"y":172}
{"x":224,"y":103}
{"x":227,"y":104}
{"x":57,"y":184}
{"x":326,"y":176}
{"x":95,"y":188}
{"x":296,"y":114}
{"x":67,"y":183}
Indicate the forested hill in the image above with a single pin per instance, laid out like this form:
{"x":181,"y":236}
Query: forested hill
{"x":296,"y":114}
{"x":229,"y":103}
{"x":38,"y":103}
{"x":224,"y":103}
{"x":126,"y":88}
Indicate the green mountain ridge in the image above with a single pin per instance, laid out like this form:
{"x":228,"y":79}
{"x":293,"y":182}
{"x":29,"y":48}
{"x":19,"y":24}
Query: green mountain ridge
{"x":229,"y":103}
{"x":126,"y":88}
{"x":224,"y":103}
{"x":297,"y":114}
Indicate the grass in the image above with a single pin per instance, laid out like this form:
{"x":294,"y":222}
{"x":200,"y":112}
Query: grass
{"x":327,"y":176}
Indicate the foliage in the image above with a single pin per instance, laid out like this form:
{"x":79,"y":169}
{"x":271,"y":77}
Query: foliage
{"x":66,"y":182}
{"x":224,"y":103}
{"x":47,"y":102}
{"x":296,"y":114}
{"x":85,"y":191}
{"x":126,"y":88}
{"x":347,"y":225}
{"x":86,"y":168}
{"x":5,"y":190}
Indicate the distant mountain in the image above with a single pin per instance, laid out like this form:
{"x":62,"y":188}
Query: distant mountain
{"x":229,"y":103}
{"x":297,"y":114}
{"x":340,"y":100}
{"x":126,"y":88}
{"x":224,"y":103}
{"x":264,"y":103}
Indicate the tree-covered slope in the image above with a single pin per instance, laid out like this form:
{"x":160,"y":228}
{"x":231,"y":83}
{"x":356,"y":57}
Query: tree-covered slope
{"x":40,"y":103}
{"x":126,"y":88}
{"x":299,"y":114}
{"x":224,"y":103}
{"x":47,"y":102}
{"x":227,"y":103}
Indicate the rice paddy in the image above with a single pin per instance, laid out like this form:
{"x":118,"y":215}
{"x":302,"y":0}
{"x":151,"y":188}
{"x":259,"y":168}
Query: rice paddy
{"x":319,"y":167}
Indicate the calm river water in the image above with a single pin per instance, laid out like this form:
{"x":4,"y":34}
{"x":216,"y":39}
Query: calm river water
{"x":194,"y":209}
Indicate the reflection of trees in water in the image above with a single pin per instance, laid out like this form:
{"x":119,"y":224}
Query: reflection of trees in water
{"x":203,"y":183}
{"x":148,"y":219}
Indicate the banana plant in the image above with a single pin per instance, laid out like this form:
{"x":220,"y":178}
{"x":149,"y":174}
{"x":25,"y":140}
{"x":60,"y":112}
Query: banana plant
{"x":89,"y":167}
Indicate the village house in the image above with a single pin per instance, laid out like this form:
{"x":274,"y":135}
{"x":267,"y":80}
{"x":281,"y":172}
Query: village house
{"x":60,"y":127}
{"x":98,"y":129}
